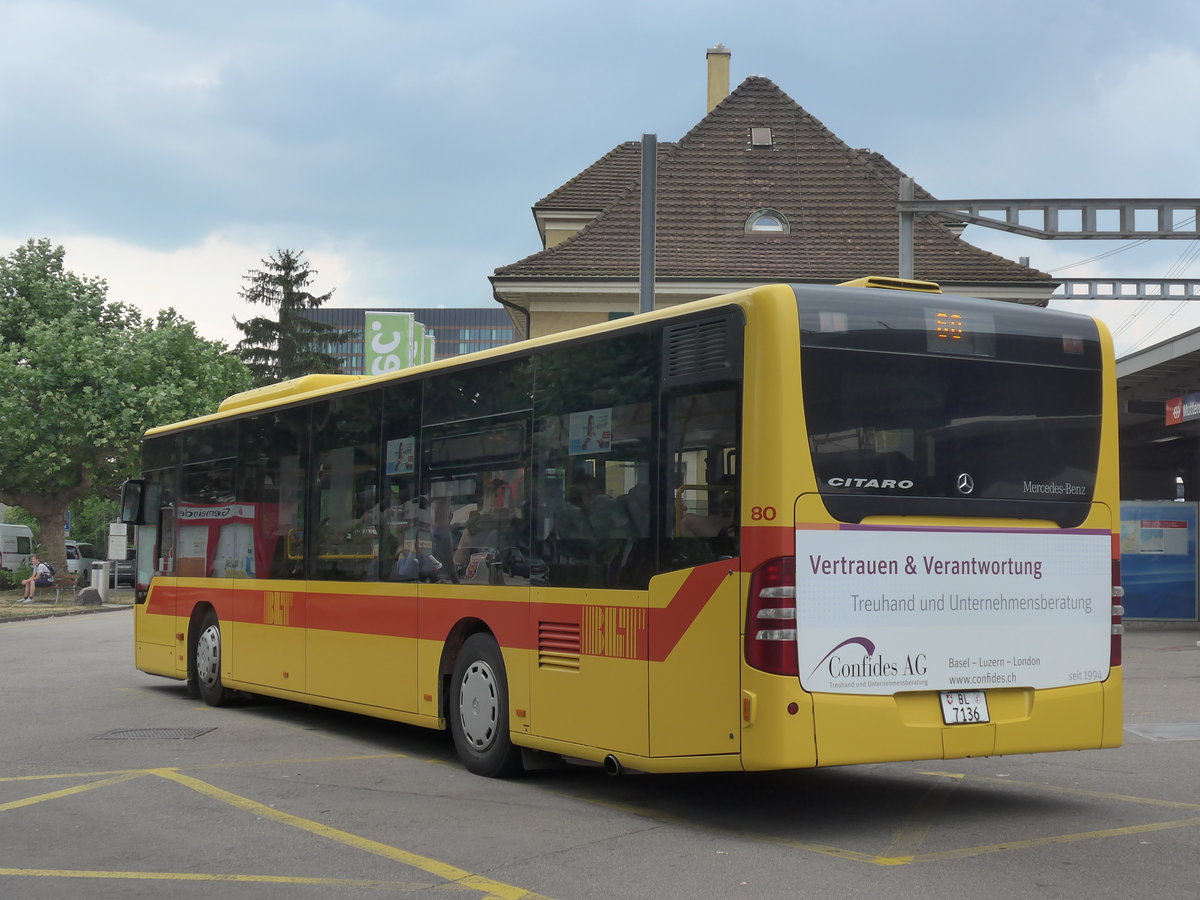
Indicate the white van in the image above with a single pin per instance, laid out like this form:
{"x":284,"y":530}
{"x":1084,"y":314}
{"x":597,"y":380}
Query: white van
{"x":80,"y":557}
{"x":16,"y":543}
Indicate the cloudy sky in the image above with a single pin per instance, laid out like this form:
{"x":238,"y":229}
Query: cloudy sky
{"x":169,"y":146}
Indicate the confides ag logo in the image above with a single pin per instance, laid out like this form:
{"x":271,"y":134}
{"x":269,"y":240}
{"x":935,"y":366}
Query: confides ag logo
{"x":866,"y":643}
{"x":869,"y":664}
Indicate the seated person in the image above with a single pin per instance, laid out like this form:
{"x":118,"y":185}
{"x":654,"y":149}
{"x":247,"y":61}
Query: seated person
{"x":695,"y":525}
{"x":719,"y":529}
{"x":412,"y":565}
{"x":40,"y":577}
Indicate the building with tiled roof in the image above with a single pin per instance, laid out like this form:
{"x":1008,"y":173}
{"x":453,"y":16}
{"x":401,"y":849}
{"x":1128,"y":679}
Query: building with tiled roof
{"x":759,"y":191}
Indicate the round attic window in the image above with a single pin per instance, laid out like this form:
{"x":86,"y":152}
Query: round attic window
{"x":767,"y":221}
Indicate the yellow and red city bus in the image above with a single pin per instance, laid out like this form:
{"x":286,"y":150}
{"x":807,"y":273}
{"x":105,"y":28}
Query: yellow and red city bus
{"x":788,"y":527}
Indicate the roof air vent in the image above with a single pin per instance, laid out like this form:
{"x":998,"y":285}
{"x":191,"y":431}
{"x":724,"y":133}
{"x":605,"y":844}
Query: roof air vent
{"x":700,"y":351}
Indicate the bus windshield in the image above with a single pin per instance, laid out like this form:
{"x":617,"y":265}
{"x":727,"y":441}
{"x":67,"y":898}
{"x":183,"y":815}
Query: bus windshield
{"x":1003,"y":421}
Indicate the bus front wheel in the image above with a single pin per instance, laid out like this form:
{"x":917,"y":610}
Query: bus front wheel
{"x":479,"y":710}
{"x":207,"y":661}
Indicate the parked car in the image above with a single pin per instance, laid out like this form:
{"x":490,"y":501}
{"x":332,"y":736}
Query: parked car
{"x":125,"y":569}
{"x":80,"y":557}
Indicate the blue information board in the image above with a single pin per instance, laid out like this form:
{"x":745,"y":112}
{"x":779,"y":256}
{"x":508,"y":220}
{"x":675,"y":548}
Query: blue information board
{"x":1158,"y":560}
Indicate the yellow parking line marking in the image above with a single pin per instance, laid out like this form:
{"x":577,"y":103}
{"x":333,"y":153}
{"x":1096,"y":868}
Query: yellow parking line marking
{"x":664,"y":818}
{"x":966,"y":852}
{"x":902,"y":849}
{"x":67,"y":792}
{"x":1079,"y":792}
{"x":822,"y":849}
{"x":916,"y":827}
{"x":913,"y":832}
{"x":494,"y":890}
{"x":237,"y":765}
{"x":59,"y":776}
{"x":197,"y":876}
{"x":298,"y":761}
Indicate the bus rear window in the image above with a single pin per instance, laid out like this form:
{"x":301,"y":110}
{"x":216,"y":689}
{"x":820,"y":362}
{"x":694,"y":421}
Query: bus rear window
{"x":910,"y":431}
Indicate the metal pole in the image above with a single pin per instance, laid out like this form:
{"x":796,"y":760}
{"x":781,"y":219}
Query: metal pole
{"x":906,"y":229}
{"x":649,"y":202}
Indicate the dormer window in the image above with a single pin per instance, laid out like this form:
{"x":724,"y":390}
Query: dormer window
{"x":767,"y":221}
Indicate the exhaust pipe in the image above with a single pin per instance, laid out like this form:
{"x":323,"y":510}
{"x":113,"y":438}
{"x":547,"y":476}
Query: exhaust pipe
{"x":612,"y":765}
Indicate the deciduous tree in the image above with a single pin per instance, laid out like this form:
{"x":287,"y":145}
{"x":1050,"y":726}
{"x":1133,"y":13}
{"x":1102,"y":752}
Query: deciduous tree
{"x":83,"y":379}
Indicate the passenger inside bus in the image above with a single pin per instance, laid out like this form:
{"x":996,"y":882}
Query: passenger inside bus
{"x":589,"y":531}
{"x":718,"y":528}
{"x":443,"y":549}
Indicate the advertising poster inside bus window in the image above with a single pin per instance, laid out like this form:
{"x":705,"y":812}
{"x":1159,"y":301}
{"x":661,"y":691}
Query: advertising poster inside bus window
{"x":590,"y":432}
{"x":401,"y":456}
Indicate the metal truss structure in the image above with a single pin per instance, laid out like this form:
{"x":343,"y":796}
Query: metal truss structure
{"x":1070,"y":220}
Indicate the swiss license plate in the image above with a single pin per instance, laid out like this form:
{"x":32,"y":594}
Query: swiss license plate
{"x":964,"y":707}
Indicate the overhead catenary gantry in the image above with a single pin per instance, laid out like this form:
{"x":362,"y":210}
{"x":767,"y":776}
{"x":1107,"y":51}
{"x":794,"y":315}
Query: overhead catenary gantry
{"x":1073,"y":220}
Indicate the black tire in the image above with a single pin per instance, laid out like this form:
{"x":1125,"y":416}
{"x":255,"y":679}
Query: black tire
{"x":206,"y":662}
{"x":479,"y":710}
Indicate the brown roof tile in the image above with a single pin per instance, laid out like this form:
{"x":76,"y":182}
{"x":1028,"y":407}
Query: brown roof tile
{"x":604,"y":181}
{"x":840,"y":203}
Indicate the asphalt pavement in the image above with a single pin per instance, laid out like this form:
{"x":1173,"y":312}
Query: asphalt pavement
{"x":115,"y":784}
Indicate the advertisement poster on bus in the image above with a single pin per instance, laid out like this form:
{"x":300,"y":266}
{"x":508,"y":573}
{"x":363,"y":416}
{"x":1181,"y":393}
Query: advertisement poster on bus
{"x":1158,"y":560}
{"x":590,"y":432}
{"x":882,"y":610}
{"x":401,"y":456}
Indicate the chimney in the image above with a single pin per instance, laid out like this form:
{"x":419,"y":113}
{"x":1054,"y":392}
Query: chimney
{"x":718,"y":75}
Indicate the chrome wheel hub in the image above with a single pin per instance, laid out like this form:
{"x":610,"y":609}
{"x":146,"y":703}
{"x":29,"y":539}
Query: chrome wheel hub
{"x":208,"y":656}
{"x":479,"y":705}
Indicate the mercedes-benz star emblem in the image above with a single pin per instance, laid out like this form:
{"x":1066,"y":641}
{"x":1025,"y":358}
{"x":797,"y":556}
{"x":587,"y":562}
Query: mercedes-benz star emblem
{"x":966,"y":483}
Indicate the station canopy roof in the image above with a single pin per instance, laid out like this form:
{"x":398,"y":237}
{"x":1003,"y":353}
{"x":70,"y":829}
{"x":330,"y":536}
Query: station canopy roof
{"x":1148,"y":379}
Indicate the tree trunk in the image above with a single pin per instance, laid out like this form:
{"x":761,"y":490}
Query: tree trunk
{"x":50,"y":510}
{"x":52,"y":520}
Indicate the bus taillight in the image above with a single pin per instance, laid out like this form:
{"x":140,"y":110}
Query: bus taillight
{"x":1118,"y":610}
{"x":771,"y":617}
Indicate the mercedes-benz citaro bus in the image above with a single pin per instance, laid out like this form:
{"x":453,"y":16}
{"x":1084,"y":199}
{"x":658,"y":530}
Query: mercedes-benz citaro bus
{"x":787,"y":527}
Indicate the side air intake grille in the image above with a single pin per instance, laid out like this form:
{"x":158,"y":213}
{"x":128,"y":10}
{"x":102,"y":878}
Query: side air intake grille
{"x":699,"y":351}
{"x":559,"y":645}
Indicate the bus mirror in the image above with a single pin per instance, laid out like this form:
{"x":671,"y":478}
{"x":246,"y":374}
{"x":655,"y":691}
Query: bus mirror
{"x":140,"y":500}
{"x":132,"y":497}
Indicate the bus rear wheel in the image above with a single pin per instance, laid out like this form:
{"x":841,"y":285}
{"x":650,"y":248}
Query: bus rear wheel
{"x":206,"y":658}
{"x":479,"y":710}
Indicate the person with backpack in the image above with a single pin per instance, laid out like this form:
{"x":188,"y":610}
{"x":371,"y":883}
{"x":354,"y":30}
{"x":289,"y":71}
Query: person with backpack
{"x":43,"y":576}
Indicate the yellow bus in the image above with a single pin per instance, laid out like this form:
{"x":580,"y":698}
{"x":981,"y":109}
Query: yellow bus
{"x":789,"y":527}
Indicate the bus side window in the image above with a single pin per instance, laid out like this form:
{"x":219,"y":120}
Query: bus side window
{"x":703,"y":490}
{"x":475,"y":484}
{"x":345,"y":435}
{"x":272,"y":481}
{"x":596,"y":459}
{"x":475,"y":474}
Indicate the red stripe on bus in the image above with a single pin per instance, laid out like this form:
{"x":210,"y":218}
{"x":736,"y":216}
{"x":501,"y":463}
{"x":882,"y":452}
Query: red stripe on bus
{"x":394,"y":615}
{"x":669,"y":624}
{"x":160,"y":601}
{"x":763,"y":542}
{"x":508,"y":620}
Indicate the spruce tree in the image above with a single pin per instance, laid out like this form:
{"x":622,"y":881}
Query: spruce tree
{"x":289,"y":345}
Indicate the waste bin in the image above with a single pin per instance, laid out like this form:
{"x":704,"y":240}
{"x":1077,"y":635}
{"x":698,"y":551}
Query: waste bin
{"x":100,"y":578}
